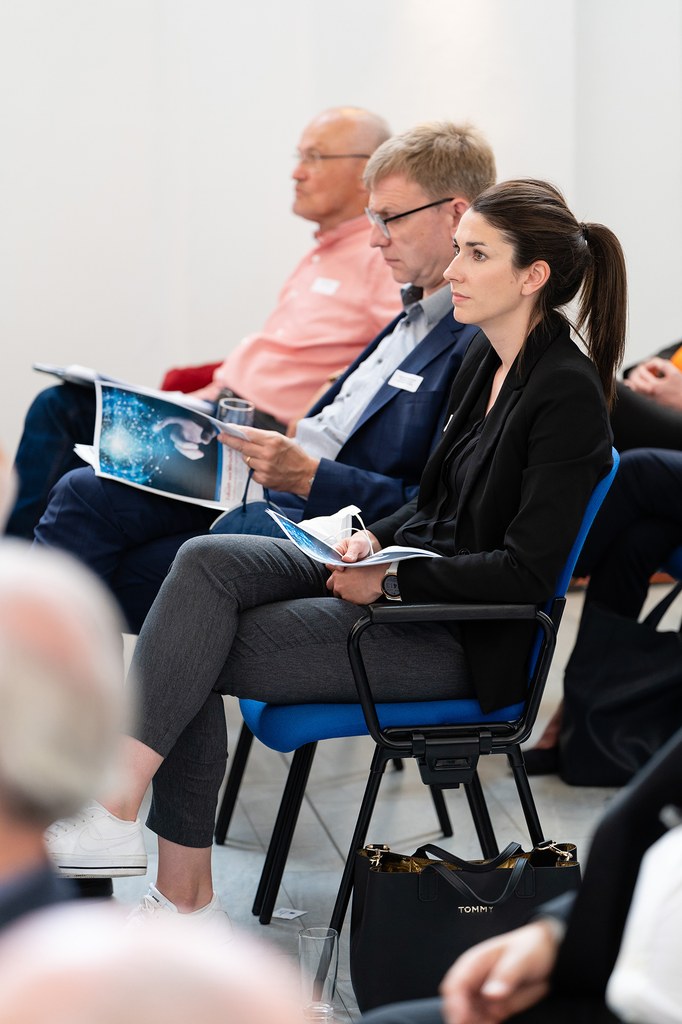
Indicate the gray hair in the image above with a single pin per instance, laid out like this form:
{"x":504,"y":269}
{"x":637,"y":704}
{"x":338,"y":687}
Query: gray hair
{"x":62,"y":702}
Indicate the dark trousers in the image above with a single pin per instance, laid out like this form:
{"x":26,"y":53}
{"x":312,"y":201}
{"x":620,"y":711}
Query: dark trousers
{"x":553,"y":1010}
{"x":58,"y":418}
{"x":636,"y":529}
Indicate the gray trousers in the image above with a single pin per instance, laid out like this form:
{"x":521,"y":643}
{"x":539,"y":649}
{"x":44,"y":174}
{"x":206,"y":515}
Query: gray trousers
{"x":250,"y":616}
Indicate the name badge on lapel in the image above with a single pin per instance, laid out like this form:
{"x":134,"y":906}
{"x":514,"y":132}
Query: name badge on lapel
{"x":325,"y":286}
{"x":405,"y":381}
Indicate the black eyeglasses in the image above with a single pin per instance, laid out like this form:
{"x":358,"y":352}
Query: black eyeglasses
{"x":313,"y":156}
{"x":383,"y":222}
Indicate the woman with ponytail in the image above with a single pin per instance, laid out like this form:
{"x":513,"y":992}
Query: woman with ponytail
{"x":525,"y":440}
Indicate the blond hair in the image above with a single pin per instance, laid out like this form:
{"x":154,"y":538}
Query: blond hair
{"x":443,"y":158}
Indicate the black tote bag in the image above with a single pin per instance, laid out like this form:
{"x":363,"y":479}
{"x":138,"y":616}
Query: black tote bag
{"x":413,"y":916}
{"x":622,"y":695}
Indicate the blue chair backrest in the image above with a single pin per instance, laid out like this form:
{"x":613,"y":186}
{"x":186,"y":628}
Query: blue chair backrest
{"x":593,"y":506}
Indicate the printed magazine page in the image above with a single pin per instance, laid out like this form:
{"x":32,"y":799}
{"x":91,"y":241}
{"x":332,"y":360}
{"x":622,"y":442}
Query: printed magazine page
{"x":160,"y":445}
{"x":85,"y":376}
{"x":316,"y":549}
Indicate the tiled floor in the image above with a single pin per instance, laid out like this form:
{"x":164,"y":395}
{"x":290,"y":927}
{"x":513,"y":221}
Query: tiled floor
{"x":404,"y":819}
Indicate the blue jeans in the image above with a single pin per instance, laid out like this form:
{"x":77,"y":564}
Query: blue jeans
{"x":251,"y":616}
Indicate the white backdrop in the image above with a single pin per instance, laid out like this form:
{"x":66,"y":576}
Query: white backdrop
{"x":146,"y":153}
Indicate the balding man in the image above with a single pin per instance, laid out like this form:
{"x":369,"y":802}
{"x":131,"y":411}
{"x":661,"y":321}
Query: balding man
{"x":338,"y":297}
{"x":61,"y":703}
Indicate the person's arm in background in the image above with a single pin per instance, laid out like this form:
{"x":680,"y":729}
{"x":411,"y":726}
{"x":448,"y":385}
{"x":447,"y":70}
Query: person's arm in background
{"x":502,"y":976}
{"x":659,"y":377}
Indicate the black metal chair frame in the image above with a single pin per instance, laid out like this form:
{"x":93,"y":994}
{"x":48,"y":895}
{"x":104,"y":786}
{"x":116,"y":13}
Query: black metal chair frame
{"x":447,"y":756}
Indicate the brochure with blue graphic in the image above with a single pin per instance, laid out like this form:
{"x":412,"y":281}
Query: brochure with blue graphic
{"x":149,"y":440}
{"x":321,"y":552}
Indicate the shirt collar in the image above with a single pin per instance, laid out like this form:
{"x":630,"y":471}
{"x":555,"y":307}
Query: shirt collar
{"x":436,"y":305}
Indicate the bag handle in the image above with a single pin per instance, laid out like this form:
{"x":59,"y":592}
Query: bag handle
{"x":266,"y":495}
{"x":428,"y":892}
{"x":658,"y":611}
{"x":509,"y":851}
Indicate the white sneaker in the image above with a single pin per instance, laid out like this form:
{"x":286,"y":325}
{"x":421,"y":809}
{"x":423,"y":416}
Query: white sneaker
{"x":154,"y":903}
{"x":96,"y":844}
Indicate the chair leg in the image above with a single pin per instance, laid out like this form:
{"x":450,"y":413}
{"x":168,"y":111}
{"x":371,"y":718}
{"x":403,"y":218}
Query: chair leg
{"x":481,"y":817}
{"x":282,"y":833}
{"x":234,"y":780}
{"x":379,"y":761}
{"x":515,"y":758}
{"x":441,"y":811}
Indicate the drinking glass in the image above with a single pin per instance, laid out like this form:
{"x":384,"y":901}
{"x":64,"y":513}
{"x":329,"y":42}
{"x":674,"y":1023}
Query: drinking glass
{"x":319,"y":959}
{"x":237,"y":411}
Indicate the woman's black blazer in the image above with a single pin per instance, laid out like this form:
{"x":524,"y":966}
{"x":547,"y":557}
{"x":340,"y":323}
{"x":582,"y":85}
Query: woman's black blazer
{"x":544,"y":445}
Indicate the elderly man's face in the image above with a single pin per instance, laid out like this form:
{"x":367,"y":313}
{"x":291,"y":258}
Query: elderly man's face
{"x":330,"y":191}
{"x":420,"y":245}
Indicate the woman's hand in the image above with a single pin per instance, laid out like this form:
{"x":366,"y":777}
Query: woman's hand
{"x":362,"y":585}
{"x":359,"y":586}
{"x":360,"y":545}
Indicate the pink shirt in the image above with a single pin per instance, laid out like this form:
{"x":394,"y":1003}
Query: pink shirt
{"x":336,"y":301}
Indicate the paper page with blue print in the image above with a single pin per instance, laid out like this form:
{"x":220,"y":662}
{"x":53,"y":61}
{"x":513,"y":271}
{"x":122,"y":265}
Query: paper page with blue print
{"x":316,"y":549}
{"x":85,"y":376}
{"x":150,"y":440}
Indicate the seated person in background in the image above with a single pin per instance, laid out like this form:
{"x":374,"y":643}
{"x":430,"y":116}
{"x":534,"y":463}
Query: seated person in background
{"x":635,"y":531}
{"x":648,"y":409}
{"x":335,"y":301}
{"x":60,"y":711}
{"x":501,"y":500}
{"x":555,"y":970}
{"x":367,"y":440}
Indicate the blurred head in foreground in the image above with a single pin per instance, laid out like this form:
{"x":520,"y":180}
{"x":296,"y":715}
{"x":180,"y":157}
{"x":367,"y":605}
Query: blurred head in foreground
{"x":79,"y":964}
{"x":61,"y":692}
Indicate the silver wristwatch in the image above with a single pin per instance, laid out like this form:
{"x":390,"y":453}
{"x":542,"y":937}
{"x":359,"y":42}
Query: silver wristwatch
{"x":389,"y":585}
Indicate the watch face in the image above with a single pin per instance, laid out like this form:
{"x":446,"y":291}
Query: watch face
{"x":390,"y":585}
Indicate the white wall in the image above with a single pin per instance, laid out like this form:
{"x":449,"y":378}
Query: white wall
{"x":146,"y":152}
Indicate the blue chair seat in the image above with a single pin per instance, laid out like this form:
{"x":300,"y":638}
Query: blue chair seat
{"x":286,"y":727}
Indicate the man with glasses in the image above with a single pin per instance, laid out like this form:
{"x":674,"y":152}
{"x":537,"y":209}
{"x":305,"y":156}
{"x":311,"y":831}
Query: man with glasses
{"x":366,"y":441}
{"x":331,"y":306}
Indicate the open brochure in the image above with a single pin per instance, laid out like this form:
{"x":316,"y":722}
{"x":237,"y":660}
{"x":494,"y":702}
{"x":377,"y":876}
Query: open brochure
{"x":150,"y":440}
{"x":316,"y":549}
{"x":85,"y":376}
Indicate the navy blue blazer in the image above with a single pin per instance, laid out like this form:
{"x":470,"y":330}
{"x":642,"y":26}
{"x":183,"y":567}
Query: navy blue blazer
{"x":379,"y":467}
